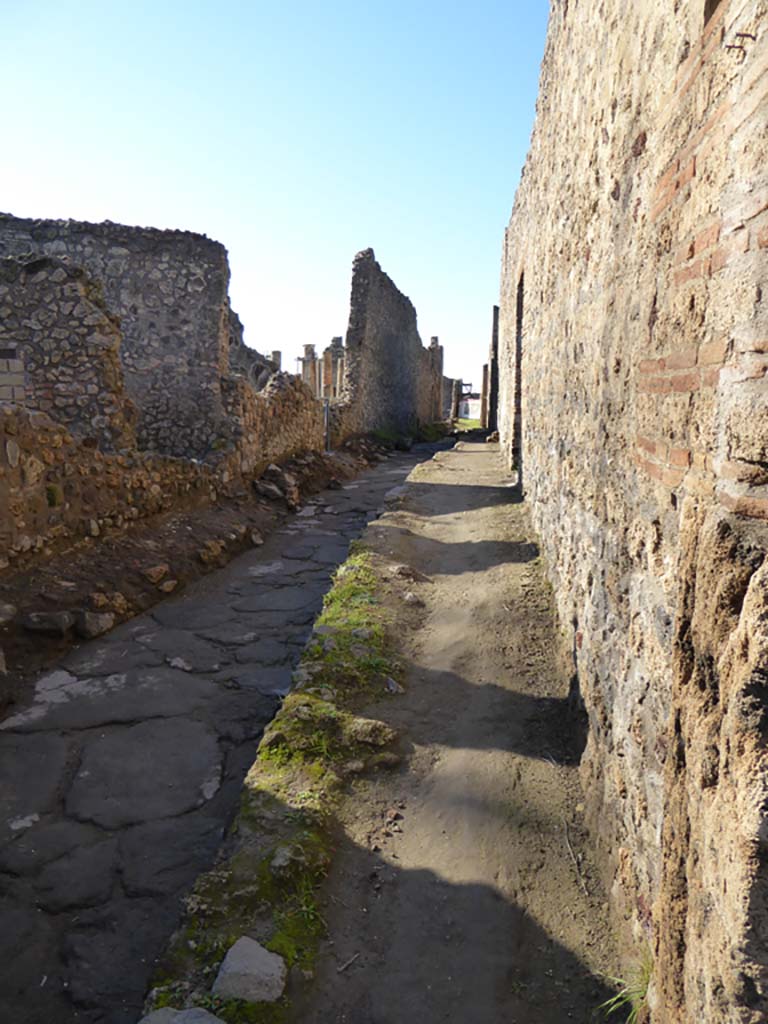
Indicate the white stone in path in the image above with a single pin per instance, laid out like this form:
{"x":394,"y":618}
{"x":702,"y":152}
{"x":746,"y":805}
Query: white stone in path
{"x":250,"y":972}
{"x":169,"y":1016}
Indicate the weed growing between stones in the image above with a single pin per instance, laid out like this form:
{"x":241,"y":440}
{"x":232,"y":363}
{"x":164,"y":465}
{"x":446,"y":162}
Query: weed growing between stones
{"x":632,"y":998}
{"x":278,"y":850}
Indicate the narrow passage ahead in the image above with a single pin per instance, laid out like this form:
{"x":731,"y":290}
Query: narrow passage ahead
{"x":462,"y":891}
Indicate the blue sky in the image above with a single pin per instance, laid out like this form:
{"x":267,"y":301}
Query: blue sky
{"x":294,"y":133}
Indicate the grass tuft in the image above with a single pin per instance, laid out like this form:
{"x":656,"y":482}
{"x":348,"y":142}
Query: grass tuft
{"x":632,"y":998}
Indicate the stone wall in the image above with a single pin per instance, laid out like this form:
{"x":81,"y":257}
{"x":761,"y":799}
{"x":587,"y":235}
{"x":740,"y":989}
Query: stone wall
{"x":245,"y":361}
{"x":167,"y":384}
{"x":633,"y":395}
{"x":169,"y":289}
{"x":66,"y":349}
{"x":70,"y":465}
{"x":281,"y":420}
{"x":391,"y":382}
{"x":56,"y":489}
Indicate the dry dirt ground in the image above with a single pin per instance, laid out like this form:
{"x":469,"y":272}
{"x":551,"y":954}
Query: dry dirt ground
{"x":462,"y":890}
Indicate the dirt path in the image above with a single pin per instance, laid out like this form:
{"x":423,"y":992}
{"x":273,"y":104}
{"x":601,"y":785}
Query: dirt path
{"x":120,"y":774}
{"x":454,"y":897}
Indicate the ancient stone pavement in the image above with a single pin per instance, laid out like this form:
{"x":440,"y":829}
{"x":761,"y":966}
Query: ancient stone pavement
{"x":119,"y":777}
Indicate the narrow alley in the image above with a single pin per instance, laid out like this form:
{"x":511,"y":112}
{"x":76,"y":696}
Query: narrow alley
{"x":463,"y":892}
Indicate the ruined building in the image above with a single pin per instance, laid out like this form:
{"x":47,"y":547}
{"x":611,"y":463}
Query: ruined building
{"x":126,"y":388}
{"x":383,"y":378}
{"x":632,"y":356}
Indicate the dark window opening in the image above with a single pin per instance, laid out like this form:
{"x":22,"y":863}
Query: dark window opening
{"x":710,"y":6}
{"x":7,"y":353}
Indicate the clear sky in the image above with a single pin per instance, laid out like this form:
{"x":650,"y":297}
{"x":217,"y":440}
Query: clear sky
{"x":296,"y":133}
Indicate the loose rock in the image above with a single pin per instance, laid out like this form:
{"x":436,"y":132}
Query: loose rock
{"x":91,"y":624}
{"x":155,"y":573}
{"x":7,"y":613}
{"x":169,"y":1016}
{"x":268,"y":490}
{"x":210,"y":552}
{"x":250,"y":972}
{"x":368,"y":730}
{"x":53,"y":623}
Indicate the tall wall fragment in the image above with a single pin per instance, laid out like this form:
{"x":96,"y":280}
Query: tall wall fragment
{"x":633,"y":395}
{"x":391,"y":381}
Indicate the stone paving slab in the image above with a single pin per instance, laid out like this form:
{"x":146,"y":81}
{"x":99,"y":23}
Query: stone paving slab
{"x":62,"y":701}
{"x":119,"y":776}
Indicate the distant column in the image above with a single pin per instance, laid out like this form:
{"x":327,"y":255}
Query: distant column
{"x":493,"y":374}
{"x":446,"y":391}
{"x":327,"y":379}
{"x":484,"y":400}
{"x":309,"y":368}
{"x":277,"y":359}
{"x":337,"y":359}
{"x":458,"y":391}
{"x":436,"y":379}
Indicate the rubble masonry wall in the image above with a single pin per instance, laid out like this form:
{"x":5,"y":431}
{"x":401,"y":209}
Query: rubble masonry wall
{"x":633,"y":357}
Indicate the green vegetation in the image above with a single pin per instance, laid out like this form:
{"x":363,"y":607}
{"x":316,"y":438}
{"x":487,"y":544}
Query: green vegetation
{"x":386,"y":436}
{"x":237,"y":1011}
{"x":280,"y":844}
{"x":54,"y":495}
{"x":632,"y":999}
{"x":468,"y":424}
{"x":432,"y":432}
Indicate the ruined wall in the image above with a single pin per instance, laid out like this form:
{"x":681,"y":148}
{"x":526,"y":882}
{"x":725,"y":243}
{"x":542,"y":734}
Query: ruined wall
{"x":447,"y":393}
{"x":390,"y":379}
{"x":70,"y":466}
{"x":66,"y":349}
{"x":169,"y":289}
{"x":245,"y":361}
{"x":56,"y":489}
{"x":633,"y":355}
{"x":281,"y":420}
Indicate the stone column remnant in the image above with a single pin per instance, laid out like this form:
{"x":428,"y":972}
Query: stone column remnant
{"x":484,"y":399}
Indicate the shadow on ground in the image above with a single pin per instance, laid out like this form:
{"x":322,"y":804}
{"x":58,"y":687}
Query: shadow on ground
{"x":461,"y":497}
{"x":456,"y":559}
{"x":544,"y":728}
{"x":439,"y":953}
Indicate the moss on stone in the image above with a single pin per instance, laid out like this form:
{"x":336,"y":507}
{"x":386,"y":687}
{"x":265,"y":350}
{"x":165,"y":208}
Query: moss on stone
{"x":54,"y":495}
{"x":278,"y":849}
